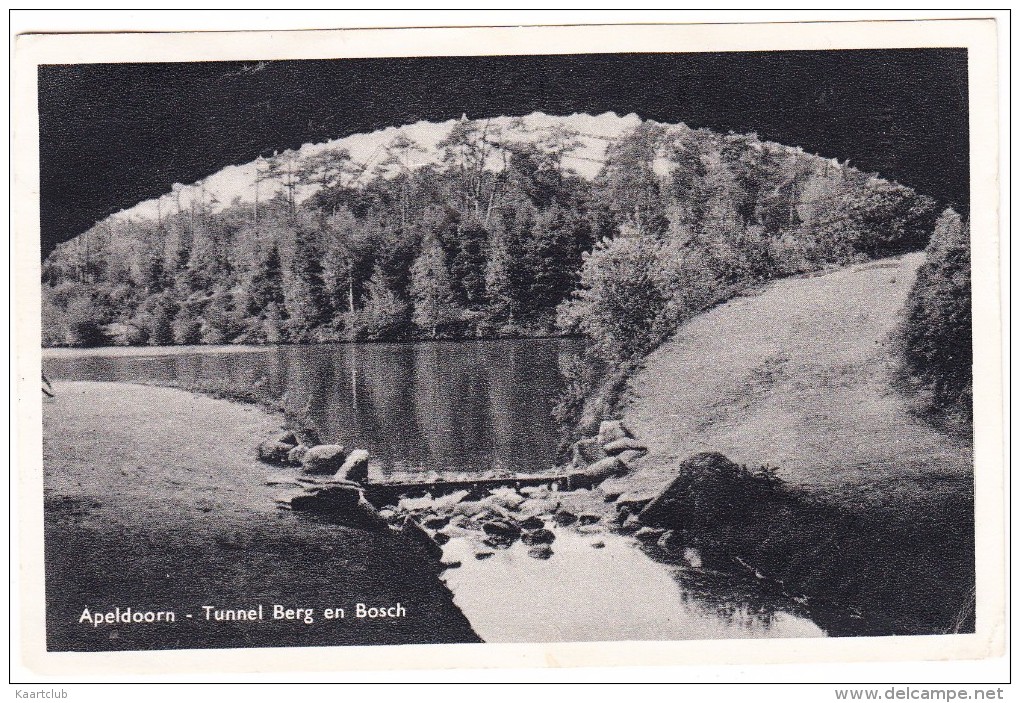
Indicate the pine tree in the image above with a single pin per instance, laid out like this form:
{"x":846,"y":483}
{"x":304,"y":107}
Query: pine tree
{"x":385,"y":313}
{"x":430,"y":290}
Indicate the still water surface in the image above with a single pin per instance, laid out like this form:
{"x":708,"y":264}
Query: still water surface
{"x":476,"y":406}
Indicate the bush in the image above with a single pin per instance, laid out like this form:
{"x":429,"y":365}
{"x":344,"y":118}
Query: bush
{"x":84,"y":324}
{"x":936,"y":333}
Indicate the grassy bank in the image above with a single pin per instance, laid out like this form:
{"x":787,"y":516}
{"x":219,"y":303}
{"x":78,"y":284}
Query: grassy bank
{"x":154,"y":501}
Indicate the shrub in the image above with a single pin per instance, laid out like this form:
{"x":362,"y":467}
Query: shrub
{"x":84,"y":324}
{"x":935,"y":334}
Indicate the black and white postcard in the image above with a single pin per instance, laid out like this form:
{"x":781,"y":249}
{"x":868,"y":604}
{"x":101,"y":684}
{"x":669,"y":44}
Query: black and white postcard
{"x":569,"y":346}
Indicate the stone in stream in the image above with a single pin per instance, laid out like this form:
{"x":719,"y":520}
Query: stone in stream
{"x":564,"y":518}
{"x":469,"y":508}
{"x":435,"y":522}
{"x":612,"y":430}
{"x":598,"y":544}
{"x":532,"y":523}
{"x":502,"y":531}
{"x":449,"y":501}
{"x":273,"y":452}
{"x":539,"y":536}
{"x":411,"y":505}
{"x":588,"y":519}
{"x":541,"y":551}
{"x":295,"y":455}
{"x":538,"y":506}
{"x":324,"y":459}
{"x":355,"y":467}
{"x":624,"y":444}
{"x":633,"y":502}
{"x":441,"y":538}
{"x":483,"y":555}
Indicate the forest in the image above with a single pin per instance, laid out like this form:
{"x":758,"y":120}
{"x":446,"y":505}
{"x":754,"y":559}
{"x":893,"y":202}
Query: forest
{"x":498,"y":237}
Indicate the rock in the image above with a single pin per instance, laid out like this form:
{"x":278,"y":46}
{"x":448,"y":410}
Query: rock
{"x":502,"y":530}
{"x":295,"y":455}
{"x":413,"y":505}
{"x":588,"y":519}
{"x":709,"y":489}
{"x":538,"y":506}
{"x":632,"y":502}
{"x":624,"y":444}
{"x":388,"y":514}
{"x":483,"y":555}
{"x":631,"y":524}
{"x":631,"y":458}
{"x":587,"y":451}
{"x":469,"y":508}
{"x":649,"y":534}
{"x":337,"y":499}
{"x":534,"y":491}
{"x":288,"y":437}
{"x":612,"y":430}
{"x":449,"y":501}
{"x":366,"y":515}
{"x":612,"y":497}
{"x":450,"y":564}
{"x":564,"y":518}
{"x":435,"y":522}
{"x":308,"y":436}
{"x":419,"y":539}
{"x":506,"y":497}
{"x":543,"y":551}
{"x":441,"y":538}
{"x":539,"y":536}
{"x":273,"y":452}
{"x":599,"y":544}
{"x":324,"y":459}
{"x":355,"y":466}
{"x":597,"y":473}
{"x":533,"y":523}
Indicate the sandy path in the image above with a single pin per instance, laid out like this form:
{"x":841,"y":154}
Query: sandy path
{"x":798,"y":376}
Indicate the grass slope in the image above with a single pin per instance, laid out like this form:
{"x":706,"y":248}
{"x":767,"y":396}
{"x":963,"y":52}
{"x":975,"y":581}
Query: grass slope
{"x":798,"y":375}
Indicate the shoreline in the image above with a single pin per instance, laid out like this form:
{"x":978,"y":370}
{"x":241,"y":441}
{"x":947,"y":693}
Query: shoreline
{"x":154,"y":500}
{"x":177,"y":349}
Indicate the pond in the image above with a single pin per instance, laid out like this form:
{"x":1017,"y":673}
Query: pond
{"x":475,"y":406}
